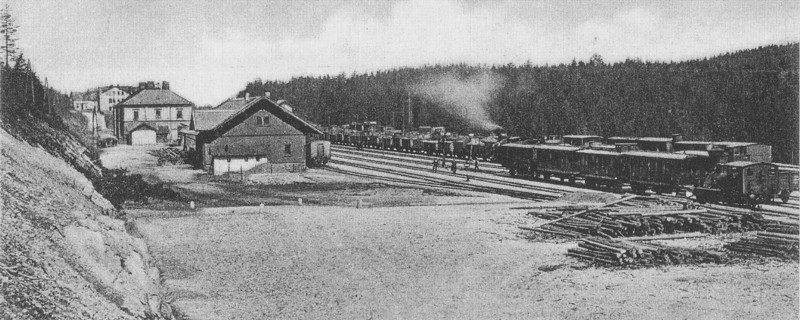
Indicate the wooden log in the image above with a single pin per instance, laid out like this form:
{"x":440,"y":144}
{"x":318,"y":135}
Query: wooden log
{"x":645,"y":213}
{"x":667,"y":236}
{"x":592,"y":258}
{"x":779,"y":235}
{"x":600,"y":246}
{"x":568,"y":234}
{"x":591,"y":252}
{"x":588,"y":210}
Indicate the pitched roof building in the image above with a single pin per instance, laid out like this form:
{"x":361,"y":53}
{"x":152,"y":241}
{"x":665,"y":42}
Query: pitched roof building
{"x":162,"y":109}
{"x":259,"y":136}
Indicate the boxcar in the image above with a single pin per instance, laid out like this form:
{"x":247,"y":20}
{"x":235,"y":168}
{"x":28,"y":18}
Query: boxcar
{"x":517,"y":158}
{"x":599,"y":167}
{"x":659,"y":171}
{"x":742,"y":182}
{"x":558,"y":161}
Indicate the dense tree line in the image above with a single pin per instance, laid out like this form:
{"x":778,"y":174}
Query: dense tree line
{"x":748,"y":95}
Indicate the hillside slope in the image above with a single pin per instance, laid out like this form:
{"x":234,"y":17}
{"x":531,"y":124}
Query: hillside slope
{"x":62,"y":256}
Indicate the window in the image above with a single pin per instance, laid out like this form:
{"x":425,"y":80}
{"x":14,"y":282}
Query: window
{"x":287,"y":149}
{"x":262,"y":121}
{"x":135,"y":115}
{"x":110,"y":100}
{"x":179,"y":115}
{"x":158,"y":113}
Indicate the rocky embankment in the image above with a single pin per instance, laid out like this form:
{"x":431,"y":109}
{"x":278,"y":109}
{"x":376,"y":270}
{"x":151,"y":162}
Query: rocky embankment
{"x":64,"y":255}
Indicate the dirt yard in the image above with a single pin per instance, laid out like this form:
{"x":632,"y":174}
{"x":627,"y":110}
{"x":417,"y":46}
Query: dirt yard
{"x":430,"y":262}
{"x":410,"y":255}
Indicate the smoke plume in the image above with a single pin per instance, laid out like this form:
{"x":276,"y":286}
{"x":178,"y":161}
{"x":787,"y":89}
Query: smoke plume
{"x":466,"y":98}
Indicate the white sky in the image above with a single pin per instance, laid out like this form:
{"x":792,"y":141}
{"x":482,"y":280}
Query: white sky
{"x":208,"y":50}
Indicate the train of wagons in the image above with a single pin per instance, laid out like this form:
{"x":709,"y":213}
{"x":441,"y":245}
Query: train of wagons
{"x":732,"y":172}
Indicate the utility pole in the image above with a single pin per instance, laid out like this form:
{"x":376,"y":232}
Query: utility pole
{"x":410,"y":113}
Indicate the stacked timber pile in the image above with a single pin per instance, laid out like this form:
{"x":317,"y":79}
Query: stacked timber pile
{"x":644,"y":216}
{"x":769,"y":244}
{"x":782,"y":227}
{"x":169,"y":156}
{"x":613,"y":252}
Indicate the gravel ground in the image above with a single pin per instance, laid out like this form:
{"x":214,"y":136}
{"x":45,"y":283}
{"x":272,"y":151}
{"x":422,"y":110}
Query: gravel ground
{"x":430,"y":262}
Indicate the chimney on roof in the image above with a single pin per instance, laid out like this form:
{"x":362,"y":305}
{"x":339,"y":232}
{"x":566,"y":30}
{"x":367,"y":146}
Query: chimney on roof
{"x":246,"y":96}
{"x":165,"y":85}
{"x":150,"y":85}
{"x":142,"y":85}
{"x":158,"y":85}
{"x":266,"y":94}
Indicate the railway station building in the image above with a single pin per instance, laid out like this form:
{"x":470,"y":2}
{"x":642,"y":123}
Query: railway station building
{"x":158,"y":108}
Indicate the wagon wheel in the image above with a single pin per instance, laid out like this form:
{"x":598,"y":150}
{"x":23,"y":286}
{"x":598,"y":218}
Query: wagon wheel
{"x":179,"y":161}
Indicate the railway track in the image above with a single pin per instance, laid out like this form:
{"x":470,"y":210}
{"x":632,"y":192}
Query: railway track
{"x":484,"y":177}
{"x":445,"y":181}
{"x":428,"y":158}
{"x":415,"y":160}
{"x":424,"y":161}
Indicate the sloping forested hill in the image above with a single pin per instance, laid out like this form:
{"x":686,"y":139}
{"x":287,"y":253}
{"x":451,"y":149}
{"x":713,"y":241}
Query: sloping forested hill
{"x":749,"y":95}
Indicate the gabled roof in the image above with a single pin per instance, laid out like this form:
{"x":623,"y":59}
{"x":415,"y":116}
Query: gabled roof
{"x":263,"y":103}
{"x":231,"y":104}
{"x":154,"y":97}
{"x":208,"y":119}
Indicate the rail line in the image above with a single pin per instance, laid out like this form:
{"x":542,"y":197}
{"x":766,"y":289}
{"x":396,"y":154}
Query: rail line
{"x":473,"y":176}
{"x":488,"y":168}
{"x":402,"y":157}
{"x":528,"y":195}
{"x":412,"y":155}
